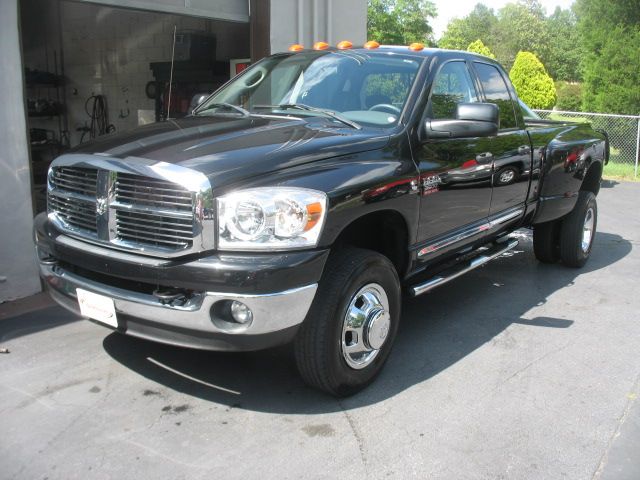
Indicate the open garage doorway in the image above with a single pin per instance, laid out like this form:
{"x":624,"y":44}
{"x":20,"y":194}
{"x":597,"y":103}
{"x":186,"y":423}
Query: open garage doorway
{"x":92,"y":70}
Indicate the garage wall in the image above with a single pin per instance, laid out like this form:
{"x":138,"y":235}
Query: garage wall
{"x":309,"y":21}
{"x":18,"y":273}
{"x":107,"y":51}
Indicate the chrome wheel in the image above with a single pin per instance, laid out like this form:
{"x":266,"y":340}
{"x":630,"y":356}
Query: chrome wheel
{"x":506,"y":176}
{"x":365,"y":327}
{"x":587,"y":230}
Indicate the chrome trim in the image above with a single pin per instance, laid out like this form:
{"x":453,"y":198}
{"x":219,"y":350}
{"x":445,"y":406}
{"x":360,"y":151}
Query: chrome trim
{"x":473,"y":264}
{"x":505,"y":218}
{"x":271,"y":312}
{"x":69,"y":194}
{"x":434,"y":247}
{"x":106,"y":205}
{"x":439,"y":245}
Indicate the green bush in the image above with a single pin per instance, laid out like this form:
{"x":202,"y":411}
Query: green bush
{"x":569,"y":96}
{"x":532,"y":82}
{"x":481,"y":48}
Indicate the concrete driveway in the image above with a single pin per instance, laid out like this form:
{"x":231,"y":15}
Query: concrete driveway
{"x":517,"y":370}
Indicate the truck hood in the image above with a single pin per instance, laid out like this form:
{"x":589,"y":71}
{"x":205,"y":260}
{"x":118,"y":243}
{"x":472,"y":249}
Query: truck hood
{"x":229,"y":149}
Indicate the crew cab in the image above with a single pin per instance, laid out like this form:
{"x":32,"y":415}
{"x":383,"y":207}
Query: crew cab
{"x":300,"y":200}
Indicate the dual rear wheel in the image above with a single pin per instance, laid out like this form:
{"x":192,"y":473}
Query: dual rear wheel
{"x":569,"y":239}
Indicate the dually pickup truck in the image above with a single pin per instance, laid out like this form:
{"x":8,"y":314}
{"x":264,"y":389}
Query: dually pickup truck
{"x":300,"y":200}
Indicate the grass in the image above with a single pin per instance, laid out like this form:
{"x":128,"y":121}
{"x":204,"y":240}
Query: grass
{"x":564,"y":118}
{"x":620,"y":171}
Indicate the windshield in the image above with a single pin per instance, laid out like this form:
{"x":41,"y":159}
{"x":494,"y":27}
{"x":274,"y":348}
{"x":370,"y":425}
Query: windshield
{"x":350,"y":88}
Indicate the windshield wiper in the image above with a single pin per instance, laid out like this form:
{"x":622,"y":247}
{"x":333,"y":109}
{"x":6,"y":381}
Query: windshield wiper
{"x":302,"y":106}
{"x":230,"y":106}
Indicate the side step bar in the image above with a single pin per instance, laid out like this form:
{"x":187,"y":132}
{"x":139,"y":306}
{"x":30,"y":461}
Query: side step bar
{"x":459,"y":270}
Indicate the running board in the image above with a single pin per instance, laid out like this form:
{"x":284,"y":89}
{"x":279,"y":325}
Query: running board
{"x":458,"y":270}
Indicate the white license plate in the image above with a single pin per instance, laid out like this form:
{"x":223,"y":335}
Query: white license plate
{"x":97,"y":307}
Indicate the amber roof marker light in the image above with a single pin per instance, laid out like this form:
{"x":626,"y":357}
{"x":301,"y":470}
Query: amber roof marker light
{"x":416,"y":47}
{"x":296,"y":47}
{"x":320,"y":46}
{"x":371,"y":44}
{"x":345,"y":45}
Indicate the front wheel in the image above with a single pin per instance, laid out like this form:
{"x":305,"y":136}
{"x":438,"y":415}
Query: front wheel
{"x":578,"y":231}
{"x":347,"y":335}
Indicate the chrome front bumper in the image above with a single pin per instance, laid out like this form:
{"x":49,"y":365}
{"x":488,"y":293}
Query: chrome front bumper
{"x":276,"y":316}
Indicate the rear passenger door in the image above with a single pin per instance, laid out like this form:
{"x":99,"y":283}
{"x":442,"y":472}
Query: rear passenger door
{"x":510,"y":151}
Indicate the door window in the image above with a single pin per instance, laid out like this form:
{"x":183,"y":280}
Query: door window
{"x":496,"y":91}
{"x":452,"y":85}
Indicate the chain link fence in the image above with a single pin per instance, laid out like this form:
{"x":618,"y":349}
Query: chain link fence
{"x":623,"y":131}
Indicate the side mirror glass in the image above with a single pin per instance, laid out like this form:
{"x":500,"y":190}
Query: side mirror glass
{"x":472,"y":120}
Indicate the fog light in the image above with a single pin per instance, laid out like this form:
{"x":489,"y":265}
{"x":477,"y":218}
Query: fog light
{"x":241,"y":313}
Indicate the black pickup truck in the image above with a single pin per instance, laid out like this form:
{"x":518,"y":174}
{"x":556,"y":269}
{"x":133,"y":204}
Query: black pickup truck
{"x":301,"y":199}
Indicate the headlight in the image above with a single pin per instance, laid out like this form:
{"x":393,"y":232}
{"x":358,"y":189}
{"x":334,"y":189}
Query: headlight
{"x":277,"y":218}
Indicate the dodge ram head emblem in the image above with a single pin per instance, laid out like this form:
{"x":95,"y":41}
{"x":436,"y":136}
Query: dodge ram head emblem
{"x":101,"y":206}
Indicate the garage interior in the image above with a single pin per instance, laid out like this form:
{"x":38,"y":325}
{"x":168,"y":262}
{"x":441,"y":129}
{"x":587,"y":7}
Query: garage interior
{"x":93,"y":69}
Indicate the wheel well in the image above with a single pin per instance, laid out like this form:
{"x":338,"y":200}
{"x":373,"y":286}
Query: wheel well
{"x":384,"y":232}
{"x":591,"y":182}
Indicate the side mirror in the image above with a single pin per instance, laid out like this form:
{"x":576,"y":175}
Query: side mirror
{"x":472,"y":120}
{"x":196,"y":100}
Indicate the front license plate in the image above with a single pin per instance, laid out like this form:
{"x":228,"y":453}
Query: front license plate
{"x":97,"y":307}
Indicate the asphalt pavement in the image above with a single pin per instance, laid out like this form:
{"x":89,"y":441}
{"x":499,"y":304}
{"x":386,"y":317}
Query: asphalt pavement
{"x":517,"y":370}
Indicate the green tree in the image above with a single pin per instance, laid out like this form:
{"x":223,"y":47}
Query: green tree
{"x":460,"y":32}
{"x":481,"y":48}
{"x":530,"y":79}
{"x":569,"y":96}
{"x":400,"y":22}
{"x":565,"y":46}
{"x":610,"y":33}
{"x":521,"y":26}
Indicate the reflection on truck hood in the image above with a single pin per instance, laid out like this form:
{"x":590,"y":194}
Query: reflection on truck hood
{"x":228,"y":149}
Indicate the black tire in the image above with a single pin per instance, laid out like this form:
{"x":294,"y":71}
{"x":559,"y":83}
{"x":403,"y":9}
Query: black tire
{"x":572,"y":250}
{"x":318,"y":344}
{"x":546,"y":241}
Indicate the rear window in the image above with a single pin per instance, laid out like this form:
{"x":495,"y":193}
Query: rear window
{"x":496,"y":91}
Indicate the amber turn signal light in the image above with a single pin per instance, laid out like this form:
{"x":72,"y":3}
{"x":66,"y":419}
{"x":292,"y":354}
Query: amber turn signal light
{"x":296,"y":47}
{"x":344,"y":45}
{"x":371,"y":44}
{"x":314,"y":214}
{"x":416,"y":47}
{"x":320,"y":46}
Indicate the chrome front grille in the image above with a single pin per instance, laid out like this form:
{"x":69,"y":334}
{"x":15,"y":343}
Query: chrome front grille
{"x":153,"y":193}
{"x":82,"y":181}
{"x":72,"y":197}
{"x":77,"y":213}
{"x":132,"y":205}
{"x":153,"y":211}
{"x":154,"y":229}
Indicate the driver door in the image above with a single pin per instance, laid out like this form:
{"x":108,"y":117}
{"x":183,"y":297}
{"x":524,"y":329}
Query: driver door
{"x":455,"y":173}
